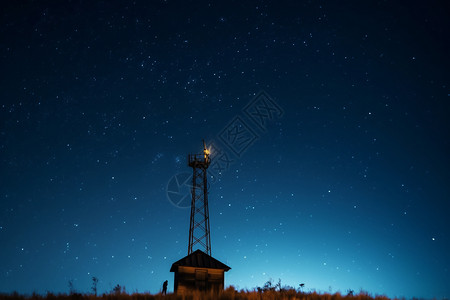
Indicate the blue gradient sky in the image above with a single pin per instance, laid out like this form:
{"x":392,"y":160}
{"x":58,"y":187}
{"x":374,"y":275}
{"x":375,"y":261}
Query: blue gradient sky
{"x":347,"y":189}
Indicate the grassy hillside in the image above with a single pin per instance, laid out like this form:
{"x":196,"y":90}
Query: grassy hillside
{"x":229,"y":294}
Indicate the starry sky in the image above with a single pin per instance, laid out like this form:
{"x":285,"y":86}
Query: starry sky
{"x":328,"y":125}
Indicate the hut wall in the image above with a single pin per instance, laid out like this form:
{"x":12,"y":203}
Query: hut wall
{"x":191,"y":278}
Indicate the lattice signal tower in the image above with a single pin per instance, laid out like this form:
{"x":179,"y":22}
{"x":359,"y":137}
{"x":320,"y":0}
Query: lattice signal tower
{"x":199,"y":223}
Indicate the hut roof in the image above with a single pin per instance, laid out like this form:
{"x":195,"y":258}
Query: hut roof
{"x":199,"y":259}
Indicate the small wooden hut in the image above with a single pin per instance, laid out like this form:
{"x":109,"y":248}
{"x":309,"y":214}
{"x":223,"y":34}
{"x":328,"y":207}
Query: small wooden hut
{"x":198,"y":271}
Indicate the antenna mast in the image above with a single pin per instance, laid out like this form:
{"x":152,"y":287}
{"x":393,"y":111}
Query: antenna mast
{"x":199,"y":221}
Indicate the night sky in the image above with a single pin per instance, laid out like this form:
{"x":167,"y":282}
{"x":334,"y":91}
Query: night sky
{"x":328,"y":124}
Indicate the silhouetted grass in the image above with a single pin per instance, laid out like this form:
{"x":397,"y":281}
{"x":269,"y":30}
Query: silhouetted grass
{"x":229,"y":294}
